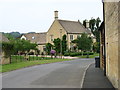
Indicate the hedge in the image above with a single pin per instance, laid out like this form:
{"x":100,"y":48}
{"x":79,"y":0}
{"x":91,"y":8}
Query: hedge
{"x":78,"y":54}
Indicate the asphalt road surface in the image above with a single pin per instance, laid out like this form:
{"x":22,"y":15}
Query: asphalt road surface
{"x":67,"y":74}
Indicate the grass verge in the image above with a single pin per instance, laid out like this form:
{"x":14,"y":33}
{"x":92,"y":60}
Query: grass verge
{"x":90,"y":56}
{"x":14,"y":66}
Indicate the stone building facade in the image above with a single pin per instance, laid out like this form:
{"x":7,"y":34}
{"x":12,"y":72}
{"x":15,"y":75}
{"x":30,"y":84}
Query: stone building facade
{"x":72,"y":29}
{"x":110,"y":51}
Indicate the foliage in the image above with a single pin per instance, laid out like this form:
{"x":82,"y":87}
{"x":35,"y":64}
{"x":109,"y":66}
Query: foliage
{"x":84,"y":42}
{"x":84,"y":23}
{"x":12,"y":35}
{"x":24,"y":45}
{"x":92,"y":23}
{"x":57,"y":45}
{"x":49,"y":46}
{"x":9,"y":36}
{"x":96,"y":47}
{"x":94,"y":26}
{"x":77,"y":53}
{"x":64,"y":44}
{"x":12,"y":47}
{"x":15,"y":34}
{"x":8,"y":48}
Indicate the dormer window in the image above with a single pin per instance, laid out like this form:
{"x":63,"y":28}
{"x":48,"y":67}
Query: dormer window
{"x":33,"y":37}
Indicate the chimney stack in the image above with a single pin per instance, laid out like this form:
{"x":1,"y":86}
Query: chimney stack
{"x":87,"y":24}
{"x":56,"y":15}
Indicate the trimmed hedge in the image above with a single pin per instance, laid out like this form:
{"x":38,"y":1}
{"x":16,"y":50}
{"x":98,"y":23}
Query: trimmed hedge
{"x":78,"y":53}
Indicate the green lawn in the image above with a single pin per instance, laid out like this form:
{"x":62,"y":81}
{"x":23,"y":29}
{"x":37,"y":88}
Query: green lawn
{"x":18,"y":65}
{"x":90,"y":56}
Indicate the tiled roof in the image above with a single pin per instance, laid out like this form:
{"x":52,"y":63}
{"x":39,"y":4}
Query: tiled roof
{"x":39,"y":38}
{"x":73,"y":26}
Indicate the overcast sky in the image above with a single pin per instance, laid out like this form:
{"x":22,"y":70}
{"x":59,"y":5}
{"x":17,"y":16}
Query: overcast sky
{"x":37,"y":15}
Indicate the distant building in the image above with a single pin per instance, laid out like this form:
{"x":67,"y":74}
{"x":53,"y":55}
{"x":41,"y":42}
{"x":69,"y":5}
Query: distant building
{"x":110,"y":44}
{"x":38,"y":38}
{"x":72,"y":29}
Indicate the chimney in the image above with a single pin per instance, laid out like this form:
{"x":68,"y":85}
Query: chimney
{"x":87,"y":24}
{"x":56,"y":15}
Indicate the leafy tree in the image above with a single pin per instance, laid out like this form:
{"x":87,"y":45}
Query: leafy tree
{"x":9,"y":36}
{"x":84,"y":43}
{"x":15,"y":34}
{"x":64,"y":44}
{"x":8,"y":49}
{"x":24,"y":46}
{"x":49,"y":46}
{"x":57,"y":45}
{"x":92,"y":23}
{"x":94,"y":26}
{"x":96,"y":47}
{"x":84,"y":23}
{"x":98,"y":22}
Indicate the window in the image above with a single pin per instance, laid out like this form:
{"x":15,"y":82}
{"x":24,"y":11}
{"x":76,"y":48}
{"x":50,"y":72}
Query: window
{"x":71,"y":37}
{"x":33,"y":37}
{"x":51,"y":37}
{"x":44,"y":48}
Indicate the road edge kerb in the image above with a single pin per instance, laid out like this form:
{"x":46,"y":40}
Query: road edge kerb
{"x":81,"y":86}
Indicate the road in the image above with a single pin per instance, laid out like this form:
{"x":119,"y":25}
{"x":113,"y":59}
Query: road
{"x":67,"y":74}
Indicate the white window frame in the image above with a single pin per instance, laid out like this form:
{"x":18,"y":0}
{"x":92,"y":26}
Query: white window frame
{"x":71,"y":37}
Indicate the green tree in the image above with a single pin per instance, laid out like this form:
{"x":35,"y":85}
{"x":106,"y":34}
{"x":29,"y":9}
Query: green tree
{"x":84,"y":43}
{"x":64,"y":44}
{"x":8,"y":49}
{"x":49,"y":46}
{"x":57,"y":45}
{"x":84,"y":23}
{"x":96,"y":47}
{"x":92,"y":24}
{"x":24,"y":46}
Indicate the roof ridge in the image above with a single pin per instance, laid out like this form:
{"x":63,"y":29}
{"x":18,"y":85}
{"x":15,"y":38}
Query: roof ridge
{"x":67,"y":20}
{"x":35,"y":33}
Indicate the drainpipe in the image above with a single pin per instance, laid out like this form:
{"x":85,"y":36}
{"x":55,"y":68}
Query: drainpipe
{"x":104,"y":42}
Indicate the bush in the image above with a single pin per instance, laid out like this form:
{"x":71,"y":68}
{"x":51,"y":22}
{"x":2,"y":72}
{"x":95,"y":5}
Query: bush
{"x":77,"y":53}
{"x":67,"y":54}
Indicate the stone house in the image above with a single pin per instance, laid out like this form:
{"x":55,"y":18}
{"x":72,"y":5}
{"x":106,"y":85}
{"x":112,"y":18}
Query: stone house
{"x":110,"y":45}
{"x":3,"y":60}
{"x":72,"y":30}
{"x":38,"y":38}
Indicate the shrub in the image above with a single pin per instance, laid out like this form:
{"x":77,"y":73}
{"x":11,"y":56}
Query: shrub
{"x":67,"y":54}
{"x":77,"y":53}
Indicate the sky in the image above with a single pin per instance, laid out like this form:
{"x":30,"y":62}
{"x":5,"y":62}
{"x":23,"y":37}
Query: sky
{"x":37,"y":15}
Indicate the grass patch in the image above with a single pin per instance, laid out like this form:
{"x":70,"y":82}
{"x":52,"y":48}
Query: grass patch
{"x":18,"y":65}
{"x":90,"y":56}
